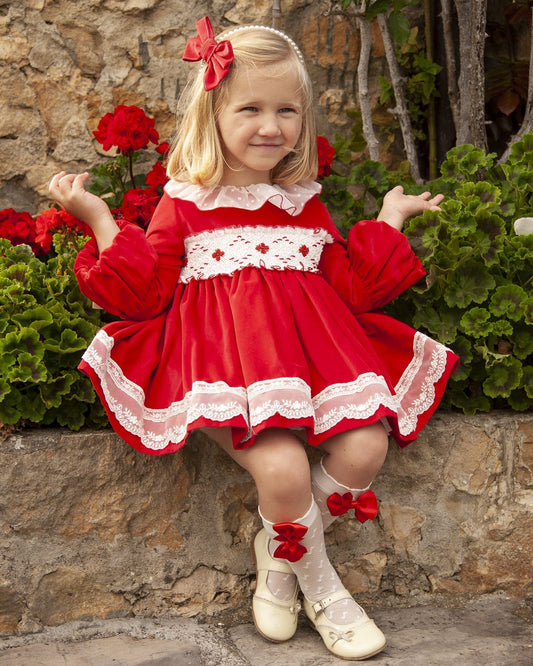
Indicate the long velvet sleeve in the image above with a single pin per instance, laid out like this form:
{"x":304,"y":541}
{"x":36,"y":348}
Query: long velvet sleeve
{"x":374,"y":266}
{"x":135,"y":278}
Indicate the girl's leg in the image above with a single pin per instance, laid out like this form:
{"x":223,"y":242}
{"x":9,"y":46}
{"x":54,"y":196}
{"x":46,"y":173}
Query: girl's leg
{"x":280,"y":469}
{"x":278,"y":463}
{"x":352,"y":460}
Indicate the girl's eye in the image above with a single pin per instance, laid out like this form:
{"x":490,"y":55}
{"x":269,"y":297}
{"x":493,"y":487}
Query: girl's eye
{"x":287,"y":109}
{"x":252,"y":109}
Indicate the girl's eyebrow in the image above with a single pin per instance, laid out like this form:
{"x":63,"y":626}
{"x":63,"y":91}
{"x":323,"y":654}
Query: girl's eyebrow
{"x":256,"y":102}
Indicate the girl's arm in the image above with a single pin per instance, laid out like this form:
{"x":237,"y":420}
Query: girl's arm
{"x":69,"y":192}
{"x":376,"y":264}
{"x":129,"y":273}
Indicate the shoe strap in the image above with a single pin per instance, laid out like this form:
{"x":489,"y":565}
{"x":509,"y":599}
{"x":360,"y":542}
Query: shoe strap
{"x":290,"y":604}
{"x":280,"y":566}
{"x":320,"y":606}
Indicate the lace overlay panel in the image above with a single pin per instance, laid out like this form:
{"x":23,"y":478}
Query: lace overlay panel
{"x":416,"y":389}
{"x":225,"y":251}
{"x":289,"y":397}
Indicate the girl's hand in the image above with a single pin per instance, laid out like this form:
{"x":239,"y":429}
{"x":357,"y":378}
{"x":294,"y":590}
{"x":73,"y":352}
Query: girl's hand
{"x":69,"y":192}
{"x":397,"y":206}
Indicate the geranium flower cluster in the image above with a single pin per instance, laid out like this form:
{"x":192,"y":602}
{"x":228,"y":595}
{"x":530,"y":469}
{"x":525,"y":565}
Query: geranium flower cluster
{"x":128,"y":129}
{"x":37,"y":232}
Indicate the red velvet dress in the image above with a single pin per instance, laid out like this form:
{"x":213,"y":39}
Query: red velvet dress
{"x":241,"y":309}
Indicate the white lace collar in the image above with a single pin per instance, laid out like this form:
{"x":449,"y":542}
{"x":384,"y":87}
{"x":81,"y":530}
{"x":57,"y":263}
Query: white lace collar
{"x":290,"y":198}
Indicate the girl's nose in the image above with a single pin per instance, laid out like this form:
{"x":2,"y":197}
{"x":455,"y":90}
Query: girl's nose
{"x":269,"y":126}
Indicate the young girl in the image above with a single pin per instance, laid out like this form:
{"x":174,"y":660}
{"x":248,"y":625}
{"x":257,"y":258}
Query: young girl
{"x":246,"y":314}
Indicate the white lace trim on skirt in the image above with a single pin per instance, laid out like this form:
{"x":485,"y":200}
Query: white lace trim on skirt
{"x":289,"y":397}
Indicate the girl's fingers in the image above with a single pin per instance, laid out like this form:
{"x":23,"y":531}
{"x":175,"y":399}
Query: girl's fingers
{"x":436,"y":200}
{"x":79,"y":181}
{"x":55,"y":180}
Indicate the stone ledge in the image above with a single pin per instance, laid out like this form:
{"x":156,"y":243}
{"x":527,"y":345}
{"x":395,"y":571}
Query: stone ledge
{"x":91,"y":528}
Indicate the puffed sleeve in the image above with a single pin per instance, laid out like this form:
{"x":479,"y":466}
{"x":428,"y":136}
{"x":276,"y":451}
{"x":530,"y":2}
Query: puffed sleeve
{"x":372,"y":267}
{"x":136,"y":277}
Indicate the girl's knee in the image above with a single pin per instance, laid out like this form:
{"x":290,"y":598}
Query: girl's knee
{"x":282,"y":464}
{"x":368,"y":444}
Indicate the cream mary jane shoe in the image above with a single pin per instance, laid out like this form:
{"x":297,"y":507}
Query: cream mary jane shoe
{"x":275,"y":619}
{"x":356,"y":641}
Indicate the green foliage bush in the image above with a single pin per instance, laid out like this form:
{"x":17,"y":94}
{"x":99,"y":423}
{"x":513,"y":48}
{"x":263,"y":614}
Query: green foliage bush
{"x":45,"y":325}
{"x":477,"y":296}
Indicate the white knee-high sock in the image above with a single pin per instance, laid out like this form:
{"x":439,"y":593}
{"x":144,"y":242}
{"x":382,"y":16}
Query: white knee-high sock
{"x":316,"y":575}
{"x":323,"y":485}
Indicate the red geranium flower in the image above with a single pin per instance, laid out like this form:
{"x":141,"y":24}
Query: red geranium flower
{"x":157,"y":176}
{"x":52,"y":220}
{"x":37,"y":233}
{"x":326,"y":153}
{"x":128,"y":128}
{"x":18,"y":228}
{"x":163,"y":148}
{"x":138,"y":205}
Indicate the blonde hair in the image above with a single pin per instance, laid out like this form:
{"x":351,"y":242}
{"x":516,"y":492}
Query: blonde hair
{"x":196,"y":152}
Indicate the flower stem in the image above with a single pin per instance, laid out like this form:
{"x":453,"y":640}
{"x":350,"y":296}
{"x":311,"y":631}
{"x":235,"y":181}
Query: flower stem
{"x":130,"y":161}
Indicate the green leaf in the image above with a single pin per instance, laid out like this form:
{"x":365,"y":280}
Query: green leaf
{"x":36,"y":318}
{"x":68,"y":342}
{"x":71,"y":414}
{"x":463,"y":348}
{"x":387,"y":91}
{"x":442,"y":324}
{"x":465,"y":163}
{"x":476,"y":322}
{"x":5,"y":387}
{"x":523,"y":341}
{"x":82,"y":390}
{"x":378,"y":7}
{"x":472,"y":283}
{"x":10,"y":407}
{"x":25,"y":340}
{"x":502,"y":378}
{"x":527,"y":380}
{"x":509,"y":300}
{"x":519,"y":400}
{"x":528,"y":311}
{"x":28,"y":368}
{"x":53,"y":391}
{"x":399,"y":27}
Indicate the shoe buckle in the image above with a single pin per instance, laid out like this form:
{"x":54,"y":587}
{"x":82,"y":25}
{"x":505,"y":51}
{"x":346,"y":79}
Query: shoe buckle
{"x":320,"y":606}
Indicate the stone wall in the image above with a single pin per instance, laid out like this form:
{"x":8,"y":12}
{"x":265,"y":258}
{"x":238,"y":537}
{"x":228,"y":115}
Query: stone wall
{"x":89,"y":527}
{"x":64,"y":64}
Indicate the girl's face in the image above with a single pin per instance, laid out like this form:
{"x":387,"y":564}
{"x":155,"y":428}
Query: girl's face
{"x":260,"y":123}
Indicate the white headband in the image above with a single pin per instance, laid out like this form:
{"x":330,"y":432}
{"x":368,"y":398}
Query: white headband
{"x":225,"y":35}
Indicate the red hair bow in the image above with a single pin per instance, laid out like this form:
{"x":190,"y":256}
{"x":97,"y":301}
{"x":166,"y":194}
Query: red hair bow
{"x":218,"y":56}
{"x":365,"y":506}
{"x":290,"y":535}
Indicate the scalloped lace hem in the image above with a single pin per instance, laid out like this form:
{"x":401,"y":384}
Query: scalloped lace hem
{"x":289,"y":397}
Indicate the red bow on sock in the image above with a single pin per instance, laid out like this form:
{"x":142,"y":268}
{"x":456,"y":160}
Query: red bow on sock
{"x":218,"y":56}
{"x":290,"y":535}
{"x":365,"y":506}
